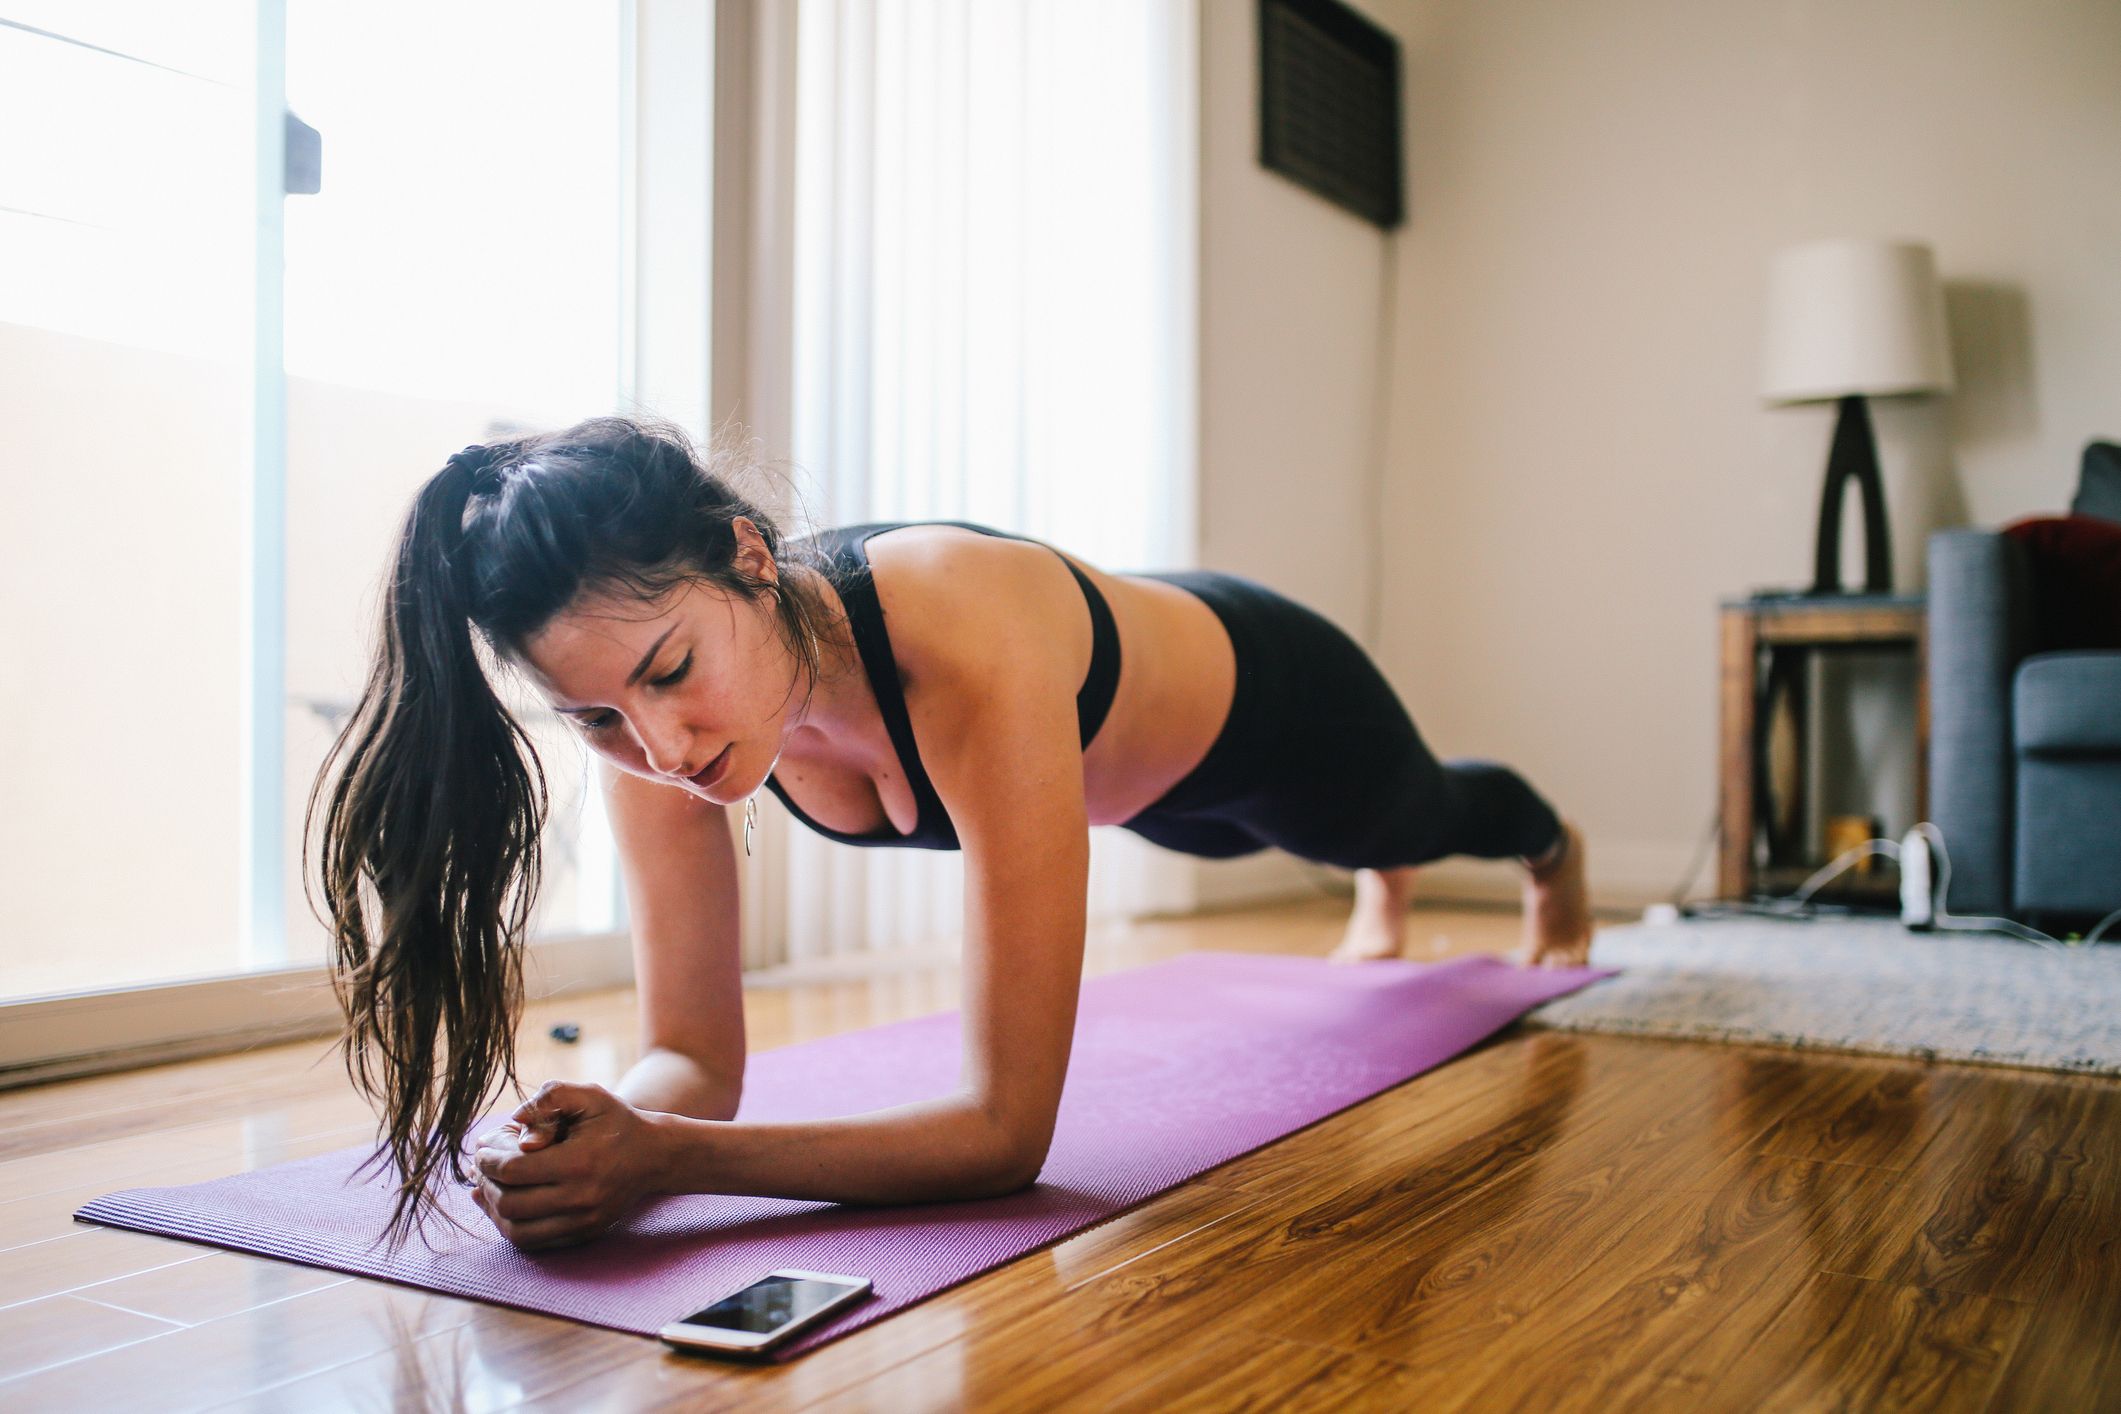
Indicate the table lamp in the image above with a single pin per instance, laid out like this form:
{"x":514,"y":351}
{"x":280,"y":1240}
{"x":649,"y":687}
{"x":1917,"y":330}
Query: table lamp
{"x":1849,"y":320}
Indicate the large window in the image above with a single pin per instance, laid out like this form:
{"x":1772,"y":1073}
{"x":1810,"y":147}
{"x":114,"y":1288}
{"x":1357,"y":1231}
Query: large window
{"x":193,"y":527}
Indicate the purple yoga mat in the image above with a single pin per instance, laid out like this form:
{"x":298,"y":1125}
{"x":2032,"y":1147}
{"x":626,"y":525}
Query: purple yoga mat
{"x":1176,"y":1068}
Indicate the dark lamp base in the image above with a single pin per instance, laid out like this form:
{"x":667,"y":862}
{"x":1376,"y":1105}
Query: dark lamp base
{"x":1853,"y":457}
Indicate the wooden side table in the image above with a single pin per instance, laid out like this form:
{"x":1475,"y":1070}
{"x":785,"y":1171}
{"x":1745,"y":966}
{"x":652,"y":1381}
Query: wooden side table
{"x":1765,"y":644}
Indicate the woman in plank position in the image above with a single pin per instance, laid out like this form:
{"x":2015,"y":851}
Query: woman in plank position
{"x":928,"y":685}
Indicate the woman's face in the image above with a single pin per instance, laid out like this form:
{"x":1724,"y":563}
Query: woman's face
{"x":665,"y":690}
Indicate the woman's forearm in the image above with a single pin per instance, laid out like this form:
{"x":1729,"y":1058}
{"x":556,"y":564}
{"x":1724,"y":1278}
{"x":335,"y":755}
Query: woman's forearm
{"x":677,"y":1084}
{"x":933,"y":1151}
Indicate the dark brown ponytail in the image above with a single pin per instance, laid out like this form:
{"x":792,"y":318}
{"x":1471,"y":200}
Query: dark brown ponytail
{"x":440,"y":811}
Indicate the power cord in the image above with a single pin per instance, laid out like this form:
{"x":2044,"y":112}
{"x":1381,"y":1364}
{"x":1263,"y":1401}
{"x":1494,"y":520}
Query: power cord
{"x":1799,"y":905}
{"x":1702,"y":852}
{"x":1796,"y":906}
{"x":1981,"y":925}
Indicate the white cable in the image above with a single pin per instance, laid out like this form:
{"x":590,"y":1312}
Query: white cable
{"x":1889,"y":848}
{"x":1799,"y":904}
{"x":1979,"y":924}
{"x":1945,"y":919}
{"x":1795,"y":905}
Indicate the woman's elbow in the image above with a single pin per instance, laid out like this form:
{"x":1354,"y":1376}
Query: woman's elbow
{"x":1016,"y":1167}
{"x":716,"y":1102}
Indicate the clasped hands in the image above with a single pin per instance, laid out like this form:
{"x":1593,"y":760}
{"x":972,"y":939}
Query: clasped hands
{"x":571,"y":1163}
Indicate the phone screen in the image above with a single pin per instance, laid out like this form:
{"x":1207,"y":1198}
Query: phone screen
{"x":768,"y":1304}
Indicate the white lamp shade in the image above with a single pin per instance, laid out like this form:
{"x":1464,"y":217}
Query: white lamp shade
{"x":1854,"y":317}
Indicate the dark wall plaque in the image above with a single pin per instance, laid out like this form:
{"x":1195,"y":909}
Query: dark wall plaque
{"x":1329,"y":105}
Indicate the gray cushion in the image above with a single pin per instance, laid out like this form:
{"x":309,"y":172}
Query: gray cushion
{"x":2068,"y":844}
{"x":2068,"y":704}
{"x":2099,"y":488}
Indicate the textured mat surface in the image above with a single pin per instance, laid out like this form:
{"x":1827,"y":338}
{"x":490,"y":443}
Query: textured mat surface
{"x":1857,"y":985}
{"x":1176,"y":1068}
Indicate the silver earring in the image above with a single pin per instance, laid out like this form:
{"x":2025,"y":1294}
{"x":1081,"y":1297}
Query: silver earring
{"x":751,"y":818}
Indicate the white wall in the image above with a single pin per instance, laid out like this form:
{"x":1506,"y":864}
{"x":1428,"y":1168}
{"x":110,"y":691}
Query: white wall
{"x":1580,"y":464}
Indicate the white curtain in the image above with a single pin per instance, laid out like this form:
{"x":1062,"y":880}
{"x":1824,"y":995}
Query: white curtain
{"x":993,"y":321}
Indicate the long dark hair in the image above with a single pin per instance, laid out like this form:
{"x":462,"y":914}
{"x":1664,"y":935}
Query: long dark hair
{"x":432,"y":798}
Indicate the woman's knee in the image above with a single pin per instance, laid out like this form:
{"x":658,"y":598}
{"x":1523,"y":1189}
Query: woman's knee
{"x":1499,"y":814}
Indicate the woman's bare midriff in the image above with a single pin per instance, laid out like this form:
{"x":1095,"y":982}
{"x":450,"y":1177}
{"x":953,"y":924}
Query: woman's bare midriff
{"x":1178,"y":675}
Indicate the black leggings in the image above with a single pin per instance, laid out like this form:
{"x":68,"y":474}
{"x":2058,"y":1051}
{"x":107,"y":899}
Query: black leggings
{"x":1319,"y":758}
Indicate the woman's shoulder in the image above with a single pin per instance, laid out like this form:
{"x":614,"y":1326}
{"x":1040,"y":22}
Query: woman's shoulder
{"x":954,"y":594}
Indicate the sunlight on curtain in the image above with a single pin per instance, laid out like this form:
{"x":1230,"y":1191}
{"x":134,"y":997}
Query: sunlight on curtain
{"x":993,"y":310}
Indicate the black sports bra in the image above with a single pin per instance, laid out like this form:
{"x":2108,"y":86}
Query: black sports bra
{"x":932,"y":829}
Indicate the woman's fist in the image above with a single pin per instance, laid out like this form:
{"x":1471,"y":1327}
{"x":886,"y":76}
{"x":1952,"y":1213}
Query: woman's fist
{"x":572,"y":1162}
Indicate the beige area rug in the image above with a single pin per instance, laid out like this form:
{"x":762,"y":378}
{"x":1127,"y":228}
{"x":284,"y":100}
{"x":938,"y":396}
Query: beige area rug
{"x":1856,"y":985}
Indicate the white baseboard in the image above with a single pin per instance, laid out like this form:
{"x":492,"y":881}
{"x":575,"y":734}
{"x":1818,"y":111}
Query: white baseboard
{"x":1626,"y":876}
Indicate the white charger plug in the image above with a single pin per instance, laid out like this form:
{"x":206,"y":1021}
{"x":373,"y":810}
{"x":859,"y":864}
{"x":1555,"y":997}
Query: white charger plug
{"x":1918,"y":890}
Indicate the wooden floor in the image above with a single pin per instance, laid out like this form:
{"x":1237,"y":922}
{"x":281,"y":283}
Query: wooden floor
{"x":1550,"y":1222}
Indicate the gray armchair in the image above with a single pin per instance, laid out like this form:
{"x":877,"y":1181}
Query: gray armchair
{"x":2025,"y":746}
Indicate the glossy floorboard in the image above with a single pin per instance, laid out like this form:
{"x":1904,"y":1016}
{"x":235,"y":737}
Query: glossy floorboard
{"x":1550,"y":1222}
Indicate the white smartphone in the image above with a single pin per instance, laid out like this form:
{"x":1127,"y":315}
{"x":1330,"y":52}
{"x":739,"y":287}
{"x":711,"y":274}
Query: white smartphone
{"x":766,"y":1312}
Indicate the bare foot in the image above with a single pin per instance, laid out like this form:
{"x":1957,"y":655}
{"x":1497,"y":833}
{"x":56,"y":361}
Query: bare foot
{"x":1557,"y":906}
{"x":1377,"y":928}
